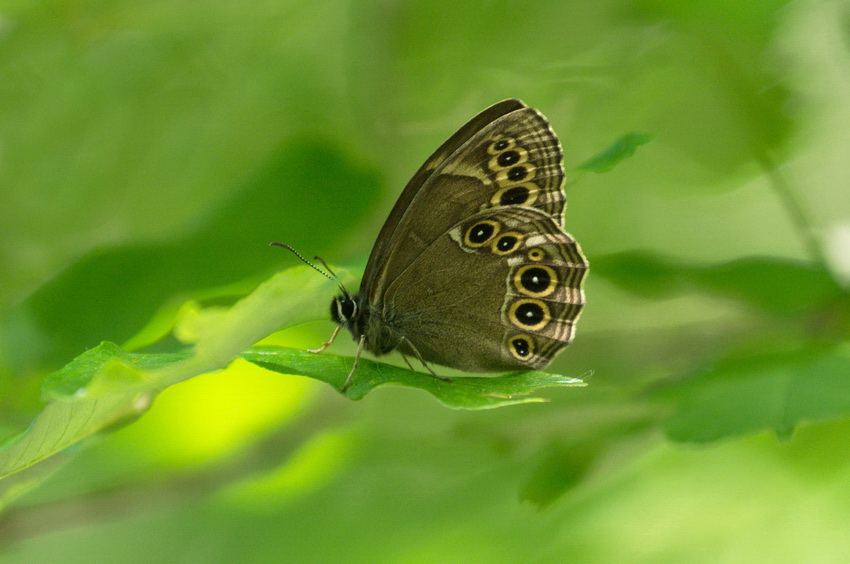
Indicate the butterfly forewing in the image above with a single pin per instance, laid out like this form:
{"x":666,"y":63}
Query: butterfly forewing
{"x":512,"y":160}
{"x":414,"y":185}
{"x":522,"y":162}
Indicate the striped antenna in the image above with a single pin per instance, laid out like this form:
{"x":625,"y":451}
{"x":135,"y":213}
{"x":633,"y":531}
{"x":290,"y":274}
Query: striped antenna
{"x":307,"y":262}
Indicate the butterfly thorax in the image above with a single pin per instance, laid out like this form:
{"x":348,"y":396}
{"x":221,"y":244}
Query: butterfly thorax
{"x":357,"y":317}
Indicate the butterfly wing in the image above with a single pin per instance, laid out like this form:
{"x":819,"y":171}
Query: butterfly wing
{"x":507,"y":155}
{"x":501,"y":290}
{"x":414,"y":185}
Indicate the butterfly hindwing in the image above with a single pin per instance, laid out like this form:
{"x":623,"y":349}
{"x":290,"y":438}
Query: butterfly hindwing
{"x":455,"y":313}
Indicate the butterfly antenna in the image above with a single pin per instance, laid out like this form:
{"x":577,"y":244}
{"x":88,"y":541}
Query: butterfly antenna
{"x":321,"y":260}
{"x":307,"y":262}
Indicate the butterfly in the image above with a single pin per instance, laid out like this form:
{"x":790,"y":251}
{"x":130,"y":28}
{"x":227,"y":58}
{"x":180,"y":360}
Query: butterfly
{"x":473,"y":269}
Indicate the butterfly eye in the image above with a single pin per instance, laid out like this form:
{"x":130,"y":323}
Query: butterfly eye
{"x":343,"y":309}
{"x":521,"y":346}
{"x":481,"y":232}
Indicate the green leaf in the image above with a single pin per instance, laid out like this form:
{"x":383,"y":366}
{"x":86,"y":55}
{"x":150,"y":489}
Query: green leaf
{"x":460,"y":393}
{"x":774,"y":391}
{"x":107,"y":386}
{"x":69,"y":418}
{"x":619,"y":150}
{"x":104,"y":369}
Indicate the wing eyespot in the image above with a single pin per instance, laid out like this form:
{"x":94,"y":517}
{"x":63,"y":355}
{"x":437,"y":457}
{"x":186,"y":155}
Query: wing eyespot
{"x":501,"y":144}
{"x":519,"y":173}
{"x":529,"y":314}
{"x":508,"y":159}
{"x":516,"y":195}
{"x":480,"y":233}
{"x":521,"y":347}
{"x":535,"y":280}
{"x":507,"y":243}
{"x":536,"y":254}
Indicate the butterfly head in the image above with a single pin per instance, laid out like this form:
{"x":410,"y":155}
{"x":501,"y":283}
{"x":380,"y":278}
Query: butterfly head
{"x":346,"y":311}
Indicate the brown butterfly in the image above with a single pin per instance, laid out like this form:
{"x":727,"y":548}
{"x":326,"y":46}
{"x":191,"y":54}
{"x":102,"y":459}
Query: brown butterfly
{"x":473,"y":269}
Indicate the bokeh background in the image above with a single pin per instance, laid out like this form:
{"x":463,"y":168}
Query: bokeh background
{"x":149,"y":151}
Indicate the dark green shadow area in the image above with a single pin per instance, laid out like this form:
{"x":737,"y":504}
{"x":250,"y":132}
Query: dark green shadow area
{"x":309,"y":187}
{"x":775,"y":285}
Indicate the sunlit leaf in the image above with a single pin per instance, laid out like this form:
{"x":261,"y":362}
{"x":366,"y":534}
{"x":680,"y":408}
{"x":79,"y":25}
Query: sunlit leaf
{"x":66,"y":421}
{"x":107,"y":386}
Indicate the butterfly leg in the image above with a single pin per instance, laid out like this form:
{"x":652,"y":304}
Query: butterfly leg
{"x":422,"y":360}
{"x":407,"y":362}
{"x":356,"y":362}
{"x":328,"y":343}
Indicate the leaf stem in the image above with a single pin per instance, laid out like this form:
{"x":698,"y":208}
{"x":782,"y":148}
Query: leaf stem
{"x":798,"y":215}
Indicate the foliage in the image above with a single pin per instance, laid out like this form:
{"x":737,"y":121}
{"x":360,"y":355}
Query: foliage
{"x":152,"y":363}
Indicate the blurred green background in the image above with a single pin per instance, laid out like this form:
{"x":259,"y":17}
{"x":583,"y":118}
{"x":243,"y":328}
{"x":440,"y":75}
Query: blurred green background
{"x":149,"y":151}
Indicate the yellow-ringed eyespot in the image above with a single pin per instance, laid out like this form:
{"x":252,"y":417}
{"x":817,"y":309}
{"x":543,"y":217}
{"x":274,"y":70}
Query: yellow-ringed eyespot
{"x":480,"y":233}
{"x":500,"y":144}
{"x":521,"y":347}
{"x":507,"y":159}
{"x":518,"y":195}
{"x":519,"y":173}
{"x":529,"y":314}
{"x":536,"y":280}
{"x":536,"y":254}
{"x":507,"y":242}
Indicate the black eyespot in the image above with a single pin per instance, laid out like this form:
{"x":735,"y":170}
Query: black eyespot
{"x":521,"y":347}
{"x":517,"y":173}
{"x":508,"y":158}
{"x":500,"y":145}
{"x":535,"y":280}
{"x":514,"y":196}
{"x":480,"y":232}
{"x":506,"y":243}
{"x":530,"y":314}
